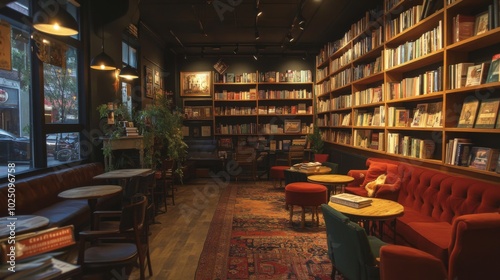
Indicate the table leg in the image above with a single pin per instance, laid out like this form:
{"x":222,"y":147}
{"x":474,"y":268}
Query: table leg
{"x":92,"y":206}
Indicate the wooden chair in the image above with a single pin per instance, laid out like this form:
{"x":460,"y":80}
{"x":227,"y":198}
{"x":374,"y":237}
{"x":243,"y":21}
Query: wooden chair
{"x":165,"y":183}
{"x":107,"y":252}
{"x":147,"y":185}
{"x":245,"y":158}
{"x":295,"y":155}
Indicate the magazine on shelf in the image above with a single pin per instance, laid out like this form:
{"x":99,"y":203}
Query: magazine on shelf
{"x":351,"y":200}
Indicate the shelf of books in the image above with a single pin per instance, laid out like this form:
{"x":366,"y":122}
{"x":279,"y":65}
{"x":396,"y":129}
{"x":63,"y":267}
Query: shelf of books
{"x":275,"y":105}
{"x":418,"y":80}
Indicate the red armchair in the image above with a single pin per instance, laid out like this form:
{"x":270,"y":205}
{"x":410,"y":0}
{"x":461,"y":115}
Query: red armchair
{"x":474,"y":253}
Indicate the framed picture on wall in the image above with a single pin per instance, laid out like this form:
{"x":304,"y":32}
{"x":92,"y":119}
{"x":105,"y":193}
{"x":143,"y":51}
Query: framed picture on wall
{"x":149,"y":81}
{"x":196,"y":84}
{"x":157,"y":77}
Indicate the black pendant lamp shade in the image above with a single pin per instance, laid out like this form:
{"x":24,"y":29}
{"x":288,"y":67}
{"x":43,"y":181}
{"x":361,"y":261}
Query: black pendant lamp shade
{"x":102,"y":61}
{"x":129,"y":73}
{"x":61,"y":23}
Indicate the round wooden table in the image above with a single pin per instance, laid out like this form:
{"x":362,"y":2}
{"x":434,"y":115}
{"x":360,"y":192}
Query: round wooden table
{"x":331,"y":181}
{"x":380,"y":210}
{"x":21,"y":224}
{"x":91,"y":193}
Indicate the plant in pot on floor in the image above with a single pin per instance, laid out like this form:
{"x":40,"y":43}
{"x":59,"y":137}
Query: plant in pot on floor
{"x":317,"y":145}
{"x":161,"y":127}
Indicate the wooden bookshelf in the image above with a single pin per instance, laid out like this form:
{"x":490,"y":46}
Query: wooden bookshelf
{"x":430,"y":69}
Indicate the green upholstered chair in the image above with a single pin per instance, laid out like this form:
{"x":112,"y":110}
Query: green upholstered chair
{"x":351,"y":251}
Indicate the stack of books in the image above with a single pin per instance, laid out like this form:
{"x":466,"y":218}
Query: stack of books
{"x":307,"y":165}
{"x":351,"y":200}
{"x":131,"y":131}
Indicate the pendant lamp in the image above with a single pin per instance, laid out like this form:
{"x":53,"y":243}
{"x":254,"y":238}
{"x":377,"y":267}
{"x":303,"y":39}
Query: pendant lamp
{"x":61,"y":23}
{"x":128,"y":72}
{"x":102,"y":61}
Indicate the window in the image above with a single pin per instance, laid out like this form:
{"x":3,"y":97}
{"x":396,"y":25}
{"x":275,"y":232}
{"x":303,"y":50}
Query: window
{"x":21,"y":94}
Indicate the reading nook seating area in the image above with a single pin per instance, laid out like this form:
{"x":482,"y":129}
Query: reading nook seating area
{"x":432,"y":201}
{"x":38,"y":195}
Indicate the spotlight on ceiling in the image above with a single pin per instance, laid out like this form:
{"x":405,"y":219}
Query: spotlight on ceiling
{"x":289,"y":37}
{"x":255,"y":57}
{"x":302,"y":21}
{"x":257,"y":35}
{"x":235,"y":51}
{"x":259,"y":12}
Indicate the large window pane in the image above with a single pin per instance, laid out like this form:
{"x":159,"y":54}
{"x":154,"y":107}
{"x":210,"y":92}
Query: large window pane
{"x":61,"y":84}
{"x":15,"y":98}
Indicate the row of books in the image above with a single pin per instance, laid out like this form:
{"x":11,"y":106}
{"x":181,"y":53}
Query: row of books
{"x":466,"y":74}
{"x":424,"y":115}
{"x":369,"y":95}
{"x":339,"y":102}
{"x":429,"y":42}
{"x":263,"y":110}
{"x":289,"y":76}
{"x":245,"y":128}
{"x":299,"y":127}
{"x":422,"y":84}
{"x":466,"y":25}
{"x":410,"y":146}
{"x":366,"y":138}
{"x":356,"y":28}
{"x":235,"y":78}
{"x":480,"y":113}
{"x":404,"y":21}
{"x":339,"y":136}
{"x":364,"y":70}
{"x":284,"y":94}
{"x":236,"y":95}
{"x":351,"y":200}
{"x":197,"y":112}
{"x":462,"y":152}
{"x":301,"y":108}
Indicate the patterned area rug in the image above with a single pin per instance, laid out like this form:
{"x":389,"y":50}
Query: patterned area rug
{"x":251,"y":238}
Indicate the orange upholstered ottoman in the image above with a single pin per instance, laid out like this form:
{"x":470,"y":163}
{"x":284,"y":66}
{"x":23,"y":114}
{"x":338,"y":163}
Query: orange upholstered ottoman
{"x":278,"y":173}
{"x":305,"y":194}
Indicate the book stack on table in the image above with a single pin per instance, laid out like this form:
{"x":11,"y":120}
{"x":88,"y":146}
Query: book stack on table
{"x":351,"y":200}
{"x":309,"y":166}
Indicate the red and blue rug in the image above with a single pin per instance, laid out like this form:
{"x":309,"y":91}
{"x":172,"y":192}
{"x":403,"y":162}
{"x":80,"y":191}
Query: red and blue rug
{"x":250,"y":237}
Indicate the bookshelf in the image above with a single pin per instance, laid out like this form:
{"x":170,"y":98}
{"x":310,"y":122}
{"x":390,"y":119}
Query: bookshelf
{"x":270,"y":105}
{"x":392,"y":77}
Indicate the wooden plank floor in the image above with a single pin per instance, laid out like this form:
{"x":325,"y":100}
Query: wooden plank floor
{"x":177,"y":241}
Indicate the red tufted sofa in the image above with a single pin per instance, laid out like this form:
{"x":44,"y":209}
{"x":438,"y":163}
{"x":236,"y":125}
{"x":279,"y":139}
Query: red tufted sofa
{"x":432,"y":201}
{"x":37,"y":195}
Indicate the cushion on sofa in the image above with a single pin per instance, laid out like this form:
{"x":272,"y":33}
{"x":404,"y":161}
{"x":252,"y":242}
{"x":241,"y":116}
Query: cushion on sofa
{"x":378,"y":168}
{"x":433,"y":238}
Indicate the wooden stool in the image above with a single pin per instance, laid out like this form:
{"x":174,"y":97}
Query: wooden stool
{"x":305,"y":194}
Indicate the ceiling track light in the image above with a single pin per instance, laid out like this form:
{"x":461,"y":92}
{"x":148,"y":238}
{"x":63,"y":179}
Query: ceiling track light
{"x":289,"y":37}
{"x":257,"y":35}
{"x":257,"y":8}
{"x":235,"y":51}
{"x":60,"y":24}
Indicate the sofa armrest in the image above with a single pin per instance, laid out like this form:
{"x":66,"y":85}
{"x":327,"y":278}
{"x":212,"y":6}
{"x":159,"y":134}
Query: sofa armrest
{"x":359,"y":177}
{"x":401,"y":262}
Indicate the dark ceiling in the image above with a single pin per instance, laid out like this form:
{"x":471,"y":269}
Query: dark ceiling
{"x":217,"y":27}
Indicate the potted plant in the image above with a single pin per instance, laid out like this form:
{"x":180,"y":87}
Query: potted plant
{"x":317,"y":145}
{"x":161,"y":128}
{"x":114,"y":113}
